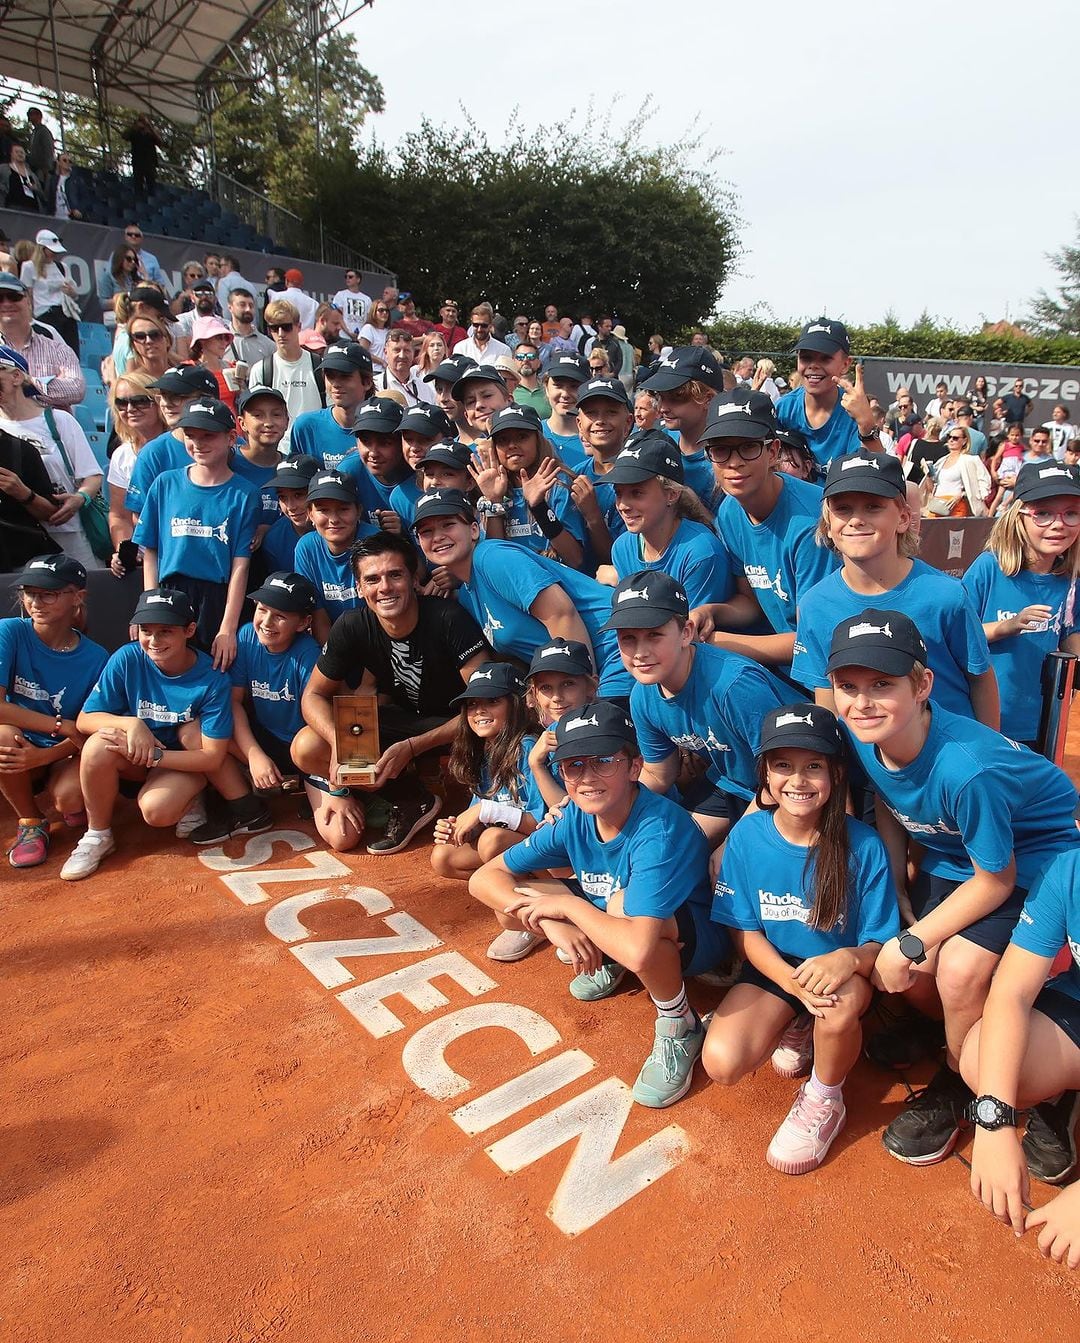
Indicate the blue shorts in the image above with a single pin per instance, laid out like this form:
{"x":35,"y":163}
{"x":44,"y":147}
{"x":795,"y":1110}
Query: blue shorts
{"x":1062,"y":1009}
{"x":993,"y":932}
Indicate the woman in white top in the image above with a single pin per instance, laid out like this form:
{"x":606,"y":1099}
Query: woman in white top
{"x":45,"y":277}
{"x":432,"y":352}
{"x":62,"y":445}
{"x":137,"y":417}
{"x":375,"y":330}
{"x":957,"y":484}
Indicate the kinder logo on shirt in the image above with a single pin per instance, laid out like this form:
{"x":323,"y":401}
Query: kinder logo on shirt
{"x":261,"y":690}
{"x":161,"y":713}
{"x":914,"y":827}
{"x":782,"y":908}
{"x":31,"y":690}
{"x":602,"y":885}
{"x":758,"y":577}
{"x":202,"y":530}
{"x":338,"y":592}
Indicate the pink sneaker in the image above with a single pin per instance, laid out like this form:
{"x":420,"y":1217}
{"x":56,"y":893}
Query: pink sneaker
{"x":802,"y":1141}
{"x":794,"y":1054}
{"x":31,"y":846}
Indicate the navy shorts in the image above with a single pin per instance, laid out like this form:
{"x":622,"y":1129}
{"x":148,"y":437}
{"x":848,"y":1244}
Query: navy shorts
{"x":704,"y":797}
{"x":704,"y":943}
{"x":750,"y":974}
{"x":1062,"y":1009}
{"x":275,"y":748}
{"x":993,"y":932}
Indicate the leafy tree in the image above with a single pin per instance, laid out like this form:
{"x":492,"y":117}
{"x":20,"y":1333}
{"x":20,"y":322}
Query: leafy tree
{"x":1060,"y":316}
{"x":585,"y":219}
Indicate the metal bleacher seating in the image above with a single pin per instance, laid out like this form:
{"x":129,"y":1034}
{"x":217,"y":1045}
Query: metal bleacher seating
{"x":94,"y":343}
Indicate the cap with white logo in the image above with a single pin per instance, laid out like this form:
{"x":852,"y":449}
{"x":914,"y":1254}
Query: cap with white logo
{"x":164,"y":606}
{"x":646,"y":456}
{"x":802,"y":726}
{"x":741,"y":414}
{"x":824,"y":336}
{"x":561,"y":655}
{"x":1050,"y":480}
{"x":885,"y":641}
{"x":866,"y":473}
{"x":600,"y":728}
{"x":285,"y":591}
{"x":491,"y":680}
{"x":53,"y":572}
{"x":647,"y":600}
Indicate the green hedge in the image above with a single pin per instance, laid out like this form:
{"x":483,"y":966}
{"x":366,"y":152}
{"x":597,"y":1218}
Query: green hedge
{"x":745,"y":335}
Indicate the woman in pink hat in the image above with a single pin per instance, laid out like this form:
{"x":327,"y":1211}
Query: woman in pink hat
{"x":210,"y":339}
{"x":45,"y":276}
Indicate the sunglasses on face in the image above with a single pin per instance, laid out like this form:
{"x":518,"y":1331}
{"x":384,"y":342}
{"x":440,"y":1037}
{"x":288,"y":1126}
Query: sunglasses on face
{"x":957,"y":438}
{"x":143,"y":336}
{"x":133,"y":237}
{"x":133,"y":402}
{"x":482,"y":326}
{"x":275,"y":327}
{"x":525,"y":356}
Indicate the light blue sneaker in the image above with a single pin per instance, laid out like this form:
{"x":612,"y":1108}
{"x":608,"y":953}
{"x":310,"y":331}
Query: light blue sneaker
{"x":599,"y":984}
{"x":667,"y":1073}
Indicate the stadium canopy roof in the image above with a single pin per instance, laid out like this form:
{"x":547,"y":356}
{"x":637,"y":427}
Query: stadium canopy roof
{"x":157,"y":56}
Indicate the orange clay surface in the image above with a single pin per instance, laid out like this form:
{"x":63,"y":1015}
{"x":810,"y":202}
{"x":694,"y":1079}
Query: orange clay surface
{"x":202,"y":1143}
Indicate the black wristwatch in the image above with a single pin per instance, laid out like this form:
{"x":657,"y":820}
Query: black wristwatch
{"x":871,"y":436}
{"x":991,"y":1114}
{"x":912,"y":948}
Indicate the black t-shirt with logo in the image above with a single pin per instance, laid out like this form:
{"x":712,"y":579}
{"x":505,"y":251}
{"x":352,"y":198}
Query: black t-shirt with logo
{"x":421,"y":673}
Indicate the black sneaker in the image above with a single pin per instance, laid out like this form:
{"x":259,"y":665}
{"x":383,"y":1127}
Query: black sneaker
{"x":406,"y":818}
{"x":910,"y":1039}
{"x":1050,"y":1141}
{"x":926,"y":1132}
{"x":246,"y":816}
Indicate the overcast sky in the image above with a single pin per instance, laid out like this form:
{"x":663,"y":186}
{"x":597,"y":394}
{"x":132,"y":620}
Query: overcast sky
{"x":915,"y":156}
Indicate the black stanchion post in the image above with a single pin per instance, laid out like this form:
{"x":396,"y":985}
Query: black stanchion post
{"x":1059,"y":670}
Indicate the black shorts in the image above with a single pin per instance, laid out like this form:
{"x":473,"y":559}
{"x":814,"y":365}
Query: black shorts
{"x":275,"y":748}
{"x":1062,"y":1009}
{"x":703,"y":942}
{"x":750,"y":974}
{"x":208,"y":598}
{"x":992,"y":932}
{"x":706,"y":799}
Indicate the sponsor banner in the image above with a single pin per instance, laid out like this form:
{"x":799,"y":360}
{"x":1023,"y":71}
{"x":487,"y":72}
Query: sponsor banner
{"x":1046,"y":384}
{"x":91,"y":246}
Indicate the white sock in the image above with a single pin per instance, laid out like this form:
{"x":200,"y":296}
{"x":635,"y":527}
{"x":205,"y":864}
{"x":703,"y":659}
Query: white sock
{"x":678,"y":1007}
{"x":823,"y":1090}
{"x":98,"y":834}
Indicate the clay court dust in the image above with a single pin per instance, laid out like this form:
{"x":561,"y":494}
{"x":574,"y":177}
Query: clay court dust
{"x":201,"y":1144}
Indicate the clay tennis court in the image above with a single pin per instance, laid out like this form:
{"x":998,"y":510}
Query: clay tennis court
{"x":219,"y":1128}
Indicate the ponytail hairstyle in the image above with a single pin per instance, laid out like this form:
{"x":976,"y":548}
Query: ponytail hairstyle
{"x":486,"y":767}
{"x":828,"y":859}
{"x":688,"y":505}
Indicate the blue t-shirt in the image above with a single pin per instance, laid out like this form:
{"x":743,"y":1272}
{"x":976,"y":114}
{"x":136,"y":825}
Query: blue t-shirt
{"x":528,"y":796}
{"x":505,"y":581}
{"x":1050,"y":919}
{"x":259,"y":477}
{"x":568,"y":447}
{"x":198,"y":530}
{"x":274,"y":682}
{"x":1018,"y":659}
{"x":332,"y":575}
{"x":131,"y":686}
{"x":317,"y":434}
{"x":778,"y":557}
{"x":403,"y":499}
{"x":279,"y":545}
{"x":659,"y":859}
{"x":161,"y":454}
{"x":837,"y":437}
{"x":605,"y":498}
{"x":717,"y":715}
{"x":695,"y":557}
{"x":373,"y":494}
{"x":767,"y":886}
{"x":943,"y":615}
{"x":38,"y":678}
{"x":972,"y":795}
{"x":698,"y":475}
{"x":522,"y":528}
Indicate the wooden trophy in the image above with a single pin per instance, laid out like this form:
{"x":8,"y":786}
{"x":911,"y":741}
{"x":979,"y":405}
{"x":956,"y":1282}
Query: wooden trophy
{"x":356,"y":731}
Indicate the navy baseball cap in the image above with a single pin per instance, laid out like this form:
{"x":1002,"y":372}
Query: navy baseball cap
{"x":347,"y":357}
{"x":332,"y":485}
{"x":802,"y":726}
{"x":569,"y":366}
{"x":885,"y":641}
{"x":245,"y":398}
{"x":648,"y":455}
{"x":286,"y":591}
{"x":824,"y":336}
{"x":1038,"y":480}
{"x":600,"y":728}
{"x":164,"y":606}
{"x":295,"y":474}
{"x":13,"y":284}
{"x":741,"y":414}
{"x":430,"y":421}
{"x":52,"y":572}
{"x":516,"y":417}
{"x":451,"y":368}
{"x":455,"y":455}
{"x":204,"y":283}
{"x":476,"y":373}
{"x":866,"y":473}
{"x":189,"y":380}
{"x":687,"y":363}
{"x":380,"y":415}
{"x":491,"y":680}
{"x":561,"y":655}
{"x":209,"y":414}
{"x":441,"y":504}
{"x":611,"y":389}
{"x":645,"y":601}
